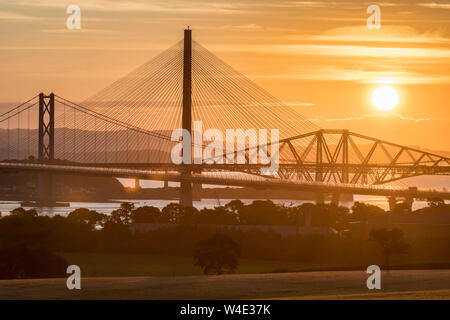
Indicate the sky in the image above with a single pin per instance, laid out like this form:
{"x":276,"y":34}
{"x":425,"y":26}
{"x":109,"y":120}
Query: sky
{"x":317,"y":56}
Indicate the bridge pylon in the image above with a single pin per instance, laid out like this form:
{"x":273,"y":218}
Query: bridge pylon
{"x":186,"y":186}
{"x":46,"y":129}
{"x":46,"y":146}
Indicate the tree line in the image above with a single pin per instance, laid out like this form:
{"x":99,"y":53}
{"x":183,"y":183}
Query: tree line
{"x":259,"y":212}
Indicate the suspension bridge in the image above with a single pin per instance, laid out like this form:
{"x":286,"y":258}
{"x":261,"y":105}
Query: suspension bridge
{"x":125,"y":130}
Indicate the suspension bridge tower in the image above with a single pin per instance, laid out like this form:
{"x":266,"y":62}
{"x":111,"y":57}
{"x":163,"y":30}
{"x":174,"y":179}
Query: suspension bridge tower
{"x":186,"y":187}
{"x":46,"y":146}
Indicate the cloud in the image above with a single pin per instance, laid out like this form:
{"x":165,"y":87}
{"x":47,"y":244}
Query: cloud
{"x":194,"y":6}
{"x":298,"y":104}
{"x":140,"y":6}
{"x":341,"y":51}
{"x":362,"y":76}
{"x":373,"y":115}
{"x":244,"y":27}
{"x":387,"y":33}
{"x":6,"y":15}
{"x":82,"y":30}
{"x":358,"y":51}
{"x":100,"y":47}
{"x":358,"y":41}
{"x":434,"y":5}
{"x":304,"y":4}
{"x":247,"y":27}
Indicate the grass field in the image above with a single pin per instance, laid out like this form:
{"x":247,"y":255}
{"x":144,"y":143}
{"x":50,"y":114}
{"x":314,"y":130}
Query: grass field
{"x":405,"y":284}
{"x":402,"y":295}
{"x":131,"y":265}
{"x":143,"y":276}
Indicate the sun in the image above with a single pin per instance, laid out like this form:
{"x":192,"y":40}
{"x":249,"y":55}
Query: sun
{"x":385,"y":98}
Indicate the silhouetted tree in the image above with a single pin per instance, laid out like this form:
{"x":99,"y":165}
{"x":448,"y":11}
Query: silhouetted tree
{"x":436,"y":202}
{"x":218,"y":215}
{"x":21,"y":212}
{"x":323,"y":214}
{"x":402,"y":208}
{"x":123,"y":214}
{"x":127,"y":206}
{"x":364,"y":212}
{"x":188,"y":215}
{"x":90,"y":218}
{"x":147,"y":214}
{"x":390,"y":240}
{"x":234,"y":207}
{"x":262,"y":212}
{"x":172,"y":212}
{"x":217,"y":254}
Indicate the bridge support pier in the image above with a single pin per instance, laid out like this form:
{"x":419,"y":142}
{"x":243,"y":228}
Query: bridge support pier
{"x":335,"y":198}
{"x":320,"y":198}
{"x":45,"y":196}
{"x":307,"y":219}
{"x":186,"y":194}
{"x":392,"y":203}
{"x":197,"y":191}
{"x":408,"y":201}
{"x":137,"y":185}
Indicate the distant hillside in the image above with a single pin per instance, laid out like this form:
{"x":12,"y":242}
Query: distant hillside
{"x":24,"y":186}
{"x":111,"y":146}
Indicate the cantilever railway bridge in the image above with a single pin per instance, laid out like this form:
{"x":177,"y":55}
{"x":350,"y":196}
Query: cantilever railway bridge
{"x":125,"y":131}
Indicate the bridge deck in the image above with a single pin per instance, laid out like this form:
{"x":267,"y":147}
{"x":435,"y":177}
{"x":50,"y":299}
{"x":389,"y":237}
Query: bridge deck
{"x":238,"y":180}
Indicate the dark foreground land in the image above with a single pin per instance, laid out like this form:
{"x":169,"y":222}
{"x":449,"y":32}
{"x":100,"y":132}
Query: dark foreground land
{"x":399,"y":284}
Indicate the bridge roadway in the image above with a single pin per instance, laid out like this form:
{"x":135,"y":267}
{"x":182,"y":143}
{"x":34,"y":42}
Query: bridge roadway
{"x":238,"y":180}
{"x":351,"y":167}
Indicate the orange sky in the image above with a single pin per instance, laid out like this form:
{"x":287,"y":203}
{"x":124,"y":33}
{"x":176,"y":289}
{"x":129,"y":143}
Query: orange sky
{"x":318,"y":56}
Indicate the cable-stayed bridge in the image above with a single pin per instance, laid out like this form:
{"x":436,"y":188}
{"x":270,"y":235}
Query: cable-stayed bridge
{"x":125,"y":131}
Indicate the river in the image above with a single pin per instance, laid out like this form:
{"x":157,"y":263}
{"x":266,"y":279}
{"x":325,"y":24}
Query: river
{"x":108,"y":207}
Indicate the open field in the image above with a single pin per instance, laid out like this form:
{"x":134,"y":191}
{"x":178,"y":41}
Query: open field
{"x":132,"y":265}
{"x":405,"y":284}
{"x":137,"y":265}
{"x":402,"y":295}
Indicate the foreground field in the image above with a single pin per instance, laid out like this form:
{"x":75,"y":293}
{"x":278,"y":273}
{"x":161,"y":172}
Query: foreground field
{"x":136,"y":265}
{"x":399,"y":295}
{"x":132,"y":265}
{"x":411,"y":284}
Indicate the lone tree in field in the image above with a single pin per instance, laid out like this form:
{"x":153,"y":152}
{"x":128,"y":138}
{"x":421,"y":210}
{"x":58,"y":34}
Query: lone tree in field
{"x":217,"y":254}
{"x":390,"y":240}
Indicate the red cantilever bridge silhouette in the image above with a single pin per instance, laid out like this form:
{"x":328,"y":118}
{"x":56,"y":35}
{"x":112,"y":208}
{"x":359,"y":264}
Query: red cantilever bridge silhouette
{"x":125,"y":130}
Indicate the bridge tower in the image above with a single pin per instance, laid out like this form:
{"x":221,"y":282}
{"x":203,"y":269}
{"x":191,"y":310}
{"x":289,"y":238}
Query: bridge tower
{"x":345,"y":167}
{"x":186,"y":187}
{"x":319,"y":156}
{"x":46,"y":146}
